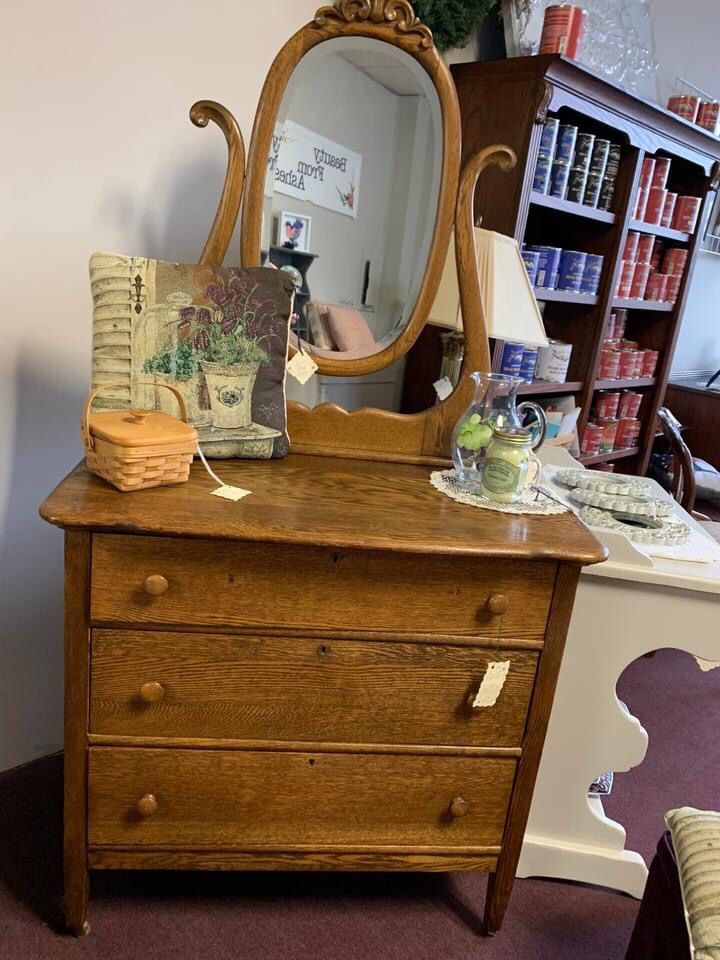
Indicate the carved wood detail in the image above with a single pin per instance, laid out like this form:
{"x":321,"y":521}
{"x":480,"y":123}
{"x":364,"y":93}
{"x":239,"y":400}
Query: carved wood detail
{"x":226,"y":216}
{"x":544,"y":103}
{"x":396,"y":12}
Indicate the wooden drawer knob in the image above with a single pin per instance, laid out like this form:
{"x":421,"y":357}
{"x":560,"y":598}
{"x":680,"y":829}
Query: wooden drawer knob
{"x":147,"y":805}
{"x":498,"y":604}
{"x":459,"y":807}
{"x":152,"y":691}
{"x":156,"y":585}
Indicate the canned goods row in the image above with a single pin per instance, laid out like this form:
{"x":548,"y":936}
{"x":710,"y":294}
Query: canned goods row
{"x":626,"y":360}
{"x":705,"y":113}
{"x":648,"y":271}
{"x":616,"y":325}
{"x":535,"y":363}
{"x":576,"y":166}
{"x":657,"y":205}
{"x":552,"y":268}
{"x":611,"y":404}
{"x":608,"y":434}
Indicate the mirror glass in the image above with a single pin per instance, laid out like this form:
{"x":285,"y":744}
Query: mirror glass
{"x":350,"y":203}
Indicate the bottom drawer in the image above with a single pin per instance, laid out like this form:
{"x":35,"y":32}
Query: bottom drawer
{"x":194,"y":799}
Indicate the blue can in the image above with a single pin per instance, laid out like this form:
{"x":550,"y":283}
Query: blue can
{"x":583,"y":150}
{"x":572,"y":268}
{"x":527,"y":365}
{"x":548,"y":266}
{"x":511,"y":359}
{"x":591,"y":274}
{"x":531,"y":259}
{"x":559,"y":177}
{"x":567,"y":138}
{"x":548,"y":140}
{"x":541,"y":180}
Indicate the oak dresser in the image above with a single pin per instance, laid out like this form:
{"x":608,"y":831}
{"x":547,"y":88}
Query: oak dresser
{"x":287,"y":682}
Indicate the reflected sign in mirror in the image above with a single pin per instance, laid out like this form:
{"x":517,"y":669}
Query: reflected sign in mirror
{"x":351,"y":192}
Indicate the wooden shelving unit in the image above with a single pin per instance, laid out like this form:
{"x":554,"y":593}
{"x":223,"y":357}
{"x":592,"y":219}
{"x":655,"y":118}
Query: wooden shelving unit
{"x":507,"y":101}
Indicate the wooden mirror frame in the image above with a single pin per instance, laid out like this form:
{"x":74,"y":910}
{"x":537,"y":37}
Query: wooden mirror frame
{"x":369,"y":433}
{"x":393,"y":22}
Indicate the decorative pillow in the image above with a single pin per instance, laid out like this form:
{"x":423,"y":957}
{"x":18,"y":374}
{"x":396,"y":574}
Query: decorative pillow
{"x":696,"y":841}
{"x":219,"y":334}
{"x":318,"y":322}
{"x":349,"y":329}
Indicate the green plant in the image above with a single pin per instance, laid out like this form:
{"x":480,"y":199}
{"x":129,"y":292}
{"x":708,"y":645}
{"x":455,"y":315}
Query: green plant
{"x":233,"y":347}
{"x":180,"y":362}
{"x":452,"y":21}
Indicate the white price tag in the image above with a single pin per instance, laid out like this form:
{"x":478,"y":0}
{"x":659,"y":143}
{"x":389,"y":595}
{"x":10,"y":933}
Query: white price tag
{"x":443,"y":388}
{"x":228,"y":492}
{"x":302,"y":367}
{"x":492,"y":684}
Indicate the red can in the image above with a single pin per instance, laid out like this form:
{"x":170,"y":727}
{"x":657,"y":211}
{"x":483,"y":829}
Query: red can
{"x":631,"y":245}
{"x":646,"y":244}
{"x":656,"y":288}
{"x":563,"y":29}
{"x":641,"y":203}
{"x":655,"y":205}
{"x":685,"y":106}
{"x":669,"y":210}
{"x":629,"y":404}
{"x":709,"y":116}
{"x":661,"y":172}
{"x":656,"y":255}
{"x":625,"y":279}
{"x":628,"y":433}
{"x":609,"y":364}
{"x":686,"y":214}
{"x":620,"y":323}
{"x":672,"y":291}
{"x":647,"y":172}
{"x":606,"y":404}
{"x":639,"y":281}
{"x":592,"y":436}
{"x":674,"y":260}
{"x":609,"y":432}
{"x":649,"y":363}
{"x":626,"y":370}
{"x":604,"y":467}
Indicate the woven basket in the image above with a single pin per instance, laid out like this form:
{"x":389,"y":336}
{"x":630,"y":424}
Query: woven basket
{"x":137,"y":449}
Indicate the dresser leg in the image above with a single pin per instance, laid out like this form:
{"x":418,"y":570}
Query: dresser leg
{"x":496,"y":903}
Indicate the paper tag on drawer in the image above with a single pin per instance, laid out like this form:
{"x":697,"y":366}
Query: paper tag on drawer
{"x":492,"y":684}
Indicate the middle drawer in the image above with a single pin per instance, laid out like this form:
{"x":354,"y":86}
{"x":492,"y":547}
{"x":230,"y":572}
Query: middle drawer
{"x":152,"y":684}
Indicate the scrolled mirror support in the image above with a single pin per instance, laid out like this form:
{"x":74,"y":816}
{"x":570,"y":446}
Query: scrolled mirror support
{"x":218,"y":241}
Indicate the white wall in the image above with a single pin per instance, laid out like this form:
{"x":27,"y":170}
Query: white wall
{"x":686,"y":45}
{"x":98,"y":154}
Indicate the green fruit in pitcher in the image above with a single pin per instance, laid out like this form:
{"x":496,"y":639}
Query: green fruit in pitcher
{"x":474,"y":434}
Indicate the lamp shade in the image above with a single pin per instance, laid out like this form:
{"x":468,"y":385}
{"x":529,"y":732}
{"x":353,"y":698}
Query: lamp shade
{"x":509,"y":304}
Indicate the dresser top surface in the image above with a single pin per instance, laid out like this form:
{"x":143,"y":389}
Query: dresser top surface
{"x":322,"y":501}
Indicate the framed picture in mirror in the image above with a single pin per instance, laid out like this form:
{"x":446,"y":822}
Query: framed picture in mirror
{"x":293,"y":231}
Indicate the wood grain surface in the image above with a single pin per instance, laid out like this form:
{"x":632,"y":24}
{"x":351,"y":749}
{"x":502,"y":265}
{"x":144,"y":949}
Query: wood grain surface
{"x":215,"y":799}
{"x":324,"y":501}
{"x":241,"y":585}
{"x":430,"y":862}
{"x":300,"y":689}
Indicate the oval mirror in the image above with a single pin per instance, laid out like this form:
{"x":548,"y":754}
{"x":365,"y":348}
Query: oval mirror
{"x":352,"y":180}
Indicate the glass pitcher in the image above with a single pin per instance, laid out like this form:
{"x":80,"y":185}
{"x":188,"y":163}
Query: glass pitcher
{"x":494,"y":407}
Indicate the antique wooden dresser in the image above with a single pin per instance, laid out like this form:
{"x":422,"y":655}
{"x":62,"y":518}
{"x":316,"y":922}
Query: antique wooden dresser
{"x":287,"y":682}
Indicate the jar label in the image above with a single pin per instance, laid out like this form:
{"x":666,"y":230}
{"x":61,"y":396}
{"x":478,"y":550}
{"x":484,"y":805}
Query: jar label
{"x":499,"y":476}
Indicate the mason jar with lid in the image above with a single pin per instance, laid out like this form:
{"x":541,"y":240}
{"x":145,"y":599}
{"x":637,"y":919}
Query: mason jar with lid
{"x":506,"y":464}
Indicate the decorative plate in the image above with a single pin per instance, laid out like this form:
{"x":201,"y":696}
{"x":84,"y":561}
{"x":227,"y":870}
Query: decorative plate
{"x":613,"y":484}
{"x":638,"y":506}
{"x":657,"y":533}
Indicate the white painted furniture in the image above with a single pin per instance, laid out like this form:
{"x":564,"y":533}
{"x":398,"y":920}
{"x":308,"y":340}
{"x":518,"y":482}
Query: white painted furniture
{"x":625,"y":608}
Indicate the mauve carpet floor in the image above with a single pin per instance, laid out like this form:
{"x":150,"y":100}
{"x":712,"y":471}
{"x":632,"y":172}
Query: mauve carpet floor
{"x":360,"y":916}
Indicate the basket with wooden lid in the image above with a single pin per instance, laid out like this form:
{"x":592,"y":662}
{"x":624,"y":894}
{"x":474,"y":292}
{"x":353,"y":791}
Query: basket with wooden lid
{"x":137,"y":449}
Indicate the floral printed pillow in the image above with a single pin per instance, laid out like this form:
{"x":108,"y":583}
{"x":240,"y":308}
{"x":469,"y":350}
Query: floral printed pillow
{"x":219,"y":334}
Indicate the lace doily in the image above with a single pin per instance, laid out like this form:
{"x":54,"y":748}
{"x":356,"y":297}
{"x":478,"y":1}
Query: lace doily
{"x":532,"y":501}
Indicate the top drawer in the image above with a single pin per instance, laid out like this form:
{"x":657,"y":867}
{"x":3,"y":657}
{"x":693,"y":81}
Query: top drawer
{"x":171,"y":581}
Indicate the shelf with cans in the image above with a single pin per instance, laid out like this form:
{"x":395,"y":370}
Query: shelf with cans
{"x":600,"y":173}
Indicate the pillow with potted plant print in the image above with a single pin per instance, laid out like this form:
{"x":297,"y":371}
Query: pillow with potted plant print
{"x":219,"y":334}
